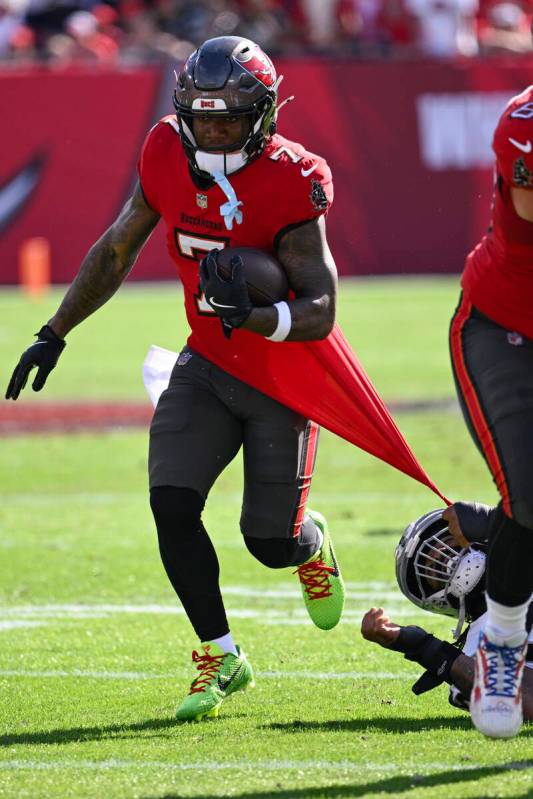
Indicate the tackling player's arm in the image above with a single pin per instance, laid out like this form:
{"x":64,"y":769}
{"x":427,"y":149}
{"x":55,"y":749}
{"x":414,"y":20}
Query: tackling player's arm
{"x":433,"y":654}
{"x":101,"y":273}
{"x":308,"y":262}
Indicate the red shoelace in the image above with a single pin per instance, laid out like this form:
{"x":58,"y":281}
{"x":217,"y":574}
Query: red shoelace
{"x":315,"y":577}
{"x":208,"y":665}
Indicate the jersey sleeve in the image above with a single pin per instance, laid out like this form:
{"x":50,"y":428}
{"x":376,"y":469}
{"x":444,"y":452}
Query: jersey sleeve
{"x":307,"y":194}
{"x":148,"y":164}
{"x":313,"y":192}
{"x":513,"y":145}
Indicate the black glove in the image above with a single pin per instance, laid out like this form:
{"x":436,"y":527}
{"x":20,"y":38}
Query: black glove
{"x":44,"y":354}
{"x":436,"y":656}
{"x":475,"y":519}
{"x":228,"y":298}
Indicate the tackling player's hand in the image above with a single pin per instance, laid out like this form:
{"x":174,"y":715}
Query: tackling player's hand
{"x":228,"y":298}
{"x":43,"y":354}
{"x":378,"y":628}
{"x":450,"y":515}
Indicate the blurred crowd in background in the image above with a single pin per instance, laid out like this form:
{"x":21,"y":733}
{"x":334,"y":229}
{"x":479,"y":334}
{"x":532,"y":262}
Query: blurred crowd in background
{"x":62,"y":32}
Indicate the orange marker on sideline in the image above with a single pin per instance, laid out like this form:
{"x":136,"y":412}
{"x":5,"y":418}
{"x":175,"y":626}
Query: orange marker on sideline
{"x":34,"y":266}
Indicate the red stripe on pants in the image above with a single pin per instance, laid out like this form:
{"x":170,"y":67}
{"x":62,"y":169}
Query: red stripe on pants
{"x":473,"y":405}
{"x":306,"y":474}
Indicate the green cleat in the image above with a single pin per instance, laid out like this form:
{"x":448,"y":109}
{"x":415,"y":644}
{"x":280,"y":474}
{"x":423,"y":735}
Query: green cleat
{"x":220,"y":675}
{"x":321,"y":581}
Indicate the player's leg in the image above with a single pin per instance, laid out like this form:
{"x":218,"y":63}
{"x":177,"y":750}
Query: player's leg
{"x":279,"y":456}
{"x":193,"y":437}
{"x":494,"y":376}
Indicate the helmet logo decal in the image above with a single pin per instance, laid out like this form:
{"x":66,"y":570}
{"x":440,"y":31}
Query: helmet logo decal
{"x":209,"y":104}
{"x":259,"y":65}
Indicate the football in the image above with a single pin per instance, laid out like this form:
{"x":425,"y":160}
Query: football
{"x":265,"y":277}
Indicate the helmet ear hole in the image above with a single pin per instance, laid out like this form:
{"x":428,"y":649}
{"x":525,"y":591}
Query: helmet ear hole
{"x":272,"y":128}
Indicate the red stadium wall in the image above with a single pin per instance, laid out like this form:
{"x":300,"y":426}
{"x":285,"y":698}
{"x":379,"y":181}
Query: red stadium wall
{"x":409,"y":146}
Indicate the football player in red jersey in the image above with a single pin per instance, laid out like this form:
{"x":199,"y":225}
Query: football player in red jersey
{"x":219,"y":175}
{"x":491,"y":342}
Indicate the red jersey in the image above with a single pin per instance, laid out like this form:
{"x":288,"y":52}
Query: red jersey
{"x":498,"y":277}
{"x":285,"y":186}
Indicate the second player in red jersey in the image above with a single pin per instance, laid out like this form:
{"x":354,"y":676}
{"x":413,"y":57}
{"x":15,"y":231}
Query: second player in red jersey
{"x":498,"y":277}
{"x":491,"y":341}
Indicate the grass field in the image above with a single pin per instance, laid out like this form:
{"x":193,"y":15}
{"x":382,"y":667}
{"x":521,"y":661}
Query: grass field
{"x":95,"y":652}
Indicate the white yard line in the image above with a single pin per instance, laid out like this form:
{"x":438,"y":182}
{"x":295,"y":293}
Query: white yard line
{"x":268,"y":675}
{"x":30,"y":615}
{"x":284,"y":608}
{"x":16,"y":624}
{"x":100,"y":611}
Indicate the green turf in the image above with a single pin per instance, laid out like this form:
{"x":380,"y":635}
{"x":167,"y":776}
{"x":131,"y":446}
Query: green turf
{"x":88,"y":693}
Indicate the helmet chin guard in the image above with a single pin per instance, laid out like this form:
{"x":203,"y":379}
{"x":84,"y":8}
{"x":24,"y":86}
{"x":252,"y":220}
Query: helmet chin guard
{"x":228,"y":76}
{"x":436,"y":574}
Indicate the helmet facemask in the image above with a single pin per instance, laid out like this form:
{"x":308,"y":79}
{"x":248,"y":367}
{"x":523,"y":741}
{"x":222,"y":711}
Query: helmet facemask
{"x":234,"y":156}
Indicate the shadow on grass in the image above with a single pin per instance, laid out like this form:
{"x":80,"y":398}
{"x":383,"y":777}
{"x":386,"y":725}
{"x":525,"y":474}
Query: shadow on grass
{"x":391,"y":785}
{"x":80,"y":734}
{"x":396,"y":724}
{"x":381,"y":531}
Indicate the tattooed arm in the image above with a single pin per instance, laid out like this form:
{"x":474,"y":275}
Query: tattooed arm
{"x":310,"y":268}
{"x":107,"y":264}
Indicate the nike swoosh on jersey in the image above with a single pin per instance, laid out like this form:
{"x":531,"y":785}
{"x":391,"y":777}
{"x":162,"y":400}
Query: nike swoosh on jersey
{"x":218,"y":304}
{"x":526,"y":148}
{"x":307,"y":172}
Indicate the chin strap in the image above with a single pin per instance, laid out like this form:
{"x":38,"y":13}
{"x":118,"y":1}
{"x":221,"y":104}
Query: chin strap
{"x":461,"y":620}
{"x":230,"y":210}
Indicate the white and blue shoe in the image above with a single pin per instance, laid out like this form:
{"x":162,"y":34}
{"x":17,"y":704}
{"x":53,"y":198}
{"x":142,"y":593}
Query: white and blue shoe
{"x":496,"y":698}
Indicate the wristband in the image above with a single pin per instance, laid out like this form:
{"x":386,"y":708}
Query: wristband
{"x":284,"y":322}
{"x":433,"y":654}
